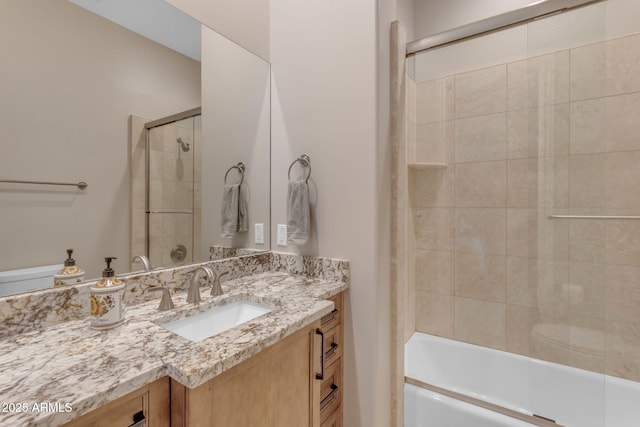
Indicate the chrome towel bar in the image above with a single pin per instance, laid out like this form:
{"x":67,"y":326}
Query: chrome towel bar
{"x":605,"y":217}
{"x":81,"y":185}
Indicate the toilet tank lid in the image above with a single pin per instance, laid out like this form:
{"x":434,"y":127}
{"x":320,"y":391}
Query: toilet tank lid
{"x":29,"y":273}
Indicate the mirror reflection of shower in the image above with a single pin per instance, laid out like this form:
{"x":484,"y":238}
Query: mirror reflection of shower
{"x":183,"y":145}
{"x":173,"y":219}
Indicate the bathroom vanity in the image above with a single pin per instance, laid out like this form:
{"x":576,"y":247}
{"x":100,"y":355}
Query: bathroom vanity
{"x":280,"y":368}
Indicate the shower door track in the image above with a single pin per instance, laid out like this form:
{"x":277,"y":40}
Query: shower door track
{"x":523,"y":15}
{"x":531,"y":419}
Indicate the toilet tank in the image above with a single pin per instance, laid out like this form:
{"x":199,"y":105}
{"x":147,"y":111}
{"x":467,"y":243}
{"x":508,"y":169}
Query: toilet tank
{"x":27,"y":279}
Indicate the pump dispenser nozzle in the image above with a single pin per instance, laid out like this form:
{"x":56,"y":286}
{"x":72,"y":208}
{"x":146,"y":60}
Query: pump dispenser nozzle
{"x":69,"y":262}
{"x":108,"y":272}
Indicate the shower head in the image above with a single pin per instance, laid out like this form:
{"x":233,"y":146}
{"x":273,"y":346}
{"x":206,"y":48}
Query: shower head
{"x":183,"y":145}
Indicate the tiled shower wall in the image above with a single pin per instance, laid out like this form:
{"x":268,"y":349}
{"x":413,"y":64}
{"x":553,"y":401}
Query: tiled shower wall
{"x":172,"y":189}
{"x":555,"y":134}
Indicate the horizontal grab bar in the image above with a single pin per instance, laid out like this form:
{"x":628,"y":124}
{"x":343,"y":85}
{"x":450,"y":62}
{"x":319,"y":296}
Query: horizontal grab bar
{"x":607,"y":217}
{"x":81,"y":185}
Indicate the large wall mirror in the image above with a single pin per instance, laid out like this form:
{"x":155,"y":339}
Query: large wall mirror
{"x":74,"y":87}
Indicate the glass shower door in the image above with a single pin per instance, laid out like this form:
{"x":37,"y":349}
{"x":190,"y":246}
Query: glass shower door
{"x":172,"y":216}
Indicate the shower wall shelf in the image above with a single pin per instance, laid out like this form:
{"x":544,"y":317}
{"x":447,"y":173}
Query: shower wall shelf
{"x":424,"y":165}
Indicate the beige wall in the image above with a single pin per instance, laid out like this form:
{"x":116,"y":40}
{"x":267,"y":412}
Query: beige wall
{"x":236,"y":128}
{"x":70,"y":80}
{"x":246,"y":22}
{"x":324,"y":88}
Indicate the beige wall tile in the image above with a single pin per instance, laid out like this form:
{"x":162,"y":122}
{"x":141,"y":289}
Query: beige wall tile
{"x":522,"y":282}
{"x":481,"y":184}
{"x":622,"y":245}
{"x":434,"y":228}
{"x":622,"y":349}
{"x":480,"y":322}
{"x":605,"y":69}
{"x":588,"y":128}
{"x":586,"y":291}
{"x":434,"y":142}
{"x":551,"y":279}
{"x":481,"y":230}
{"x":520,"y":323}
{"x":481,"y":138}
{"x":434,"y":314}
{"x":411,"y":136}
{"x":435,"y":100}
{"x":481,"y":92}
{"x":605,"y":124}
{"x":522,"y":183}
{"x":622,"y":178}
{"x":431,"y":188}
{"x":481,"y":276}
{"x":588,"y":188}
{"x":538,"y":283}
{"x":522,"y":232}
{"x":410,"y":99}
{"x":587,"y":240}
{"x":434,"y":271}
{"x":552,"y":236}
{"x":588,"y":71}
{"x":538,"y":182}
{"x":622,"y":297}
{"x":538,"y":81}
{"x":538,"y":132}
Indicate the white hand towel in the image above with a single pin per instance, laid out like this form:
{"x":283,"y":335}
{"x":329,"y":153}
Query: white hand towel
{"x":234,"y":211}
{"x":298,"y":213}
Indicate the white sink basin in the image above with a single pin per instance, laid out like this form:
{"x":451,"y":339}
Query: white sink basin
{"x":217,"y":320}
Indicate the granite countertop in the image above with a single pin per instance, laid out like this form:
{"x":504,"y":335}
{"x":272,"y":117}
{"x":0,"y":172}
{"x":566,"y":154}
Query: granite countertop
{"x":73,"y":365}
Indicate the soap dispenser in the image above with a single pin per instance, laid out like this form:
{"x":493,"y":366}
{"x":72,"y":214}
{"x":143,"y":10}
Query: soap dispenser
{"x":107,"y":309}
{"x":70,"y":273}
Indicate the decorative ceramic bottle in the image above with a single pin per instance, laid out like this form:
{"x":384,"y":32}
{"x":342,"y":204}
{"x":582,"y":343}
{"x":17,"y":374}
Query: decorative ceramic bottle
{"x":70,"y":274}
{"x":107,"y":309}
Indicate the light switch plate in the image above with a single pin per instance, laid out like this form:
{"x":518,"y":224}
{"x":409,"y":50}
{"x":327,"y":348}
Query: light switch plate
{"x":282,"y":235}
{"x":259,"y":233}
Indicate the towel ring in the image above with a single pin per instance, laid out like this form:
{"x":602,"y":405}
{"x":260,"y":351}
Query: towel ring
{"x":304,"y":161}
{"x":240,"y":167}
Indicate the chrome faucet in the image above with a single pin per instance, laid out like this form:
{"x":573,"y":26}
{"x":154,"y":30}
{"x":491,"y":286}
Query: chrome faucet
{"x":216,"y":288}
{"x":193,"y":295}
{"x":165,"y":303}
{"x":144,"y":260}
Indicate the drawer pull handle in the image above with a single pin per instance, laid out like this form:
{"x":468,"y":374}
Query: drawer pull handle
{"x":139,"y":420}
{"x":330,"y":316}
{"x":328,"y":353}
{"x":320,"y":376}
{"x":331,"y":395}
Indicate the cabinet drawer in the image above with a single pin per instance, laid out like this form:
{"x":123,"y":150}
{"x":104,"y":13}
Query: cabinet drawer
{"x":334,"y":419}
{"x":331,"y":390}
{"x":334,"y":318}
{"x":332,"y":345}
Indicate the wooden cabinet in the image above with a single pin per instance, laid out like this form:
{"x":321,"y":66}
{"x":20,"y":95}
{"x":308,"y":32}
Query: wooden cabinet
{"x":331,"y":387}
{"x":275,"y":388}
{"x":147,"y":406}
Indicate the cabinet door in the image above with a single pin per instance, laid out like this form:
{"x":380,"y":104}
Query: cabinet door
{"x":149,"y":403}
{"x":275,"y":388}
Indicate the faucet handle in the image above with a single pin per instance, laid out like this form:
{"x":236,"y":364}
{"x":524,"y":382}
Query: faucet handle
{"x":165,"y":303}
{"x":216,"y":287}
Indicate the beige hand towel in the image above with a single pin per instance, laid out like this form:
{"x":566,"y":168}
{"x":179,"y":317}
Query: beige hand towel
{"x":298,"y":213}
{"x":234,"y":211}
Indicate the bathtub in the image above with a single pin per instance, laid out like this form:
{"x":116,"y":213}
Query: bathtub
{"x":27,"y":279}
{"x":522,"y":386}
